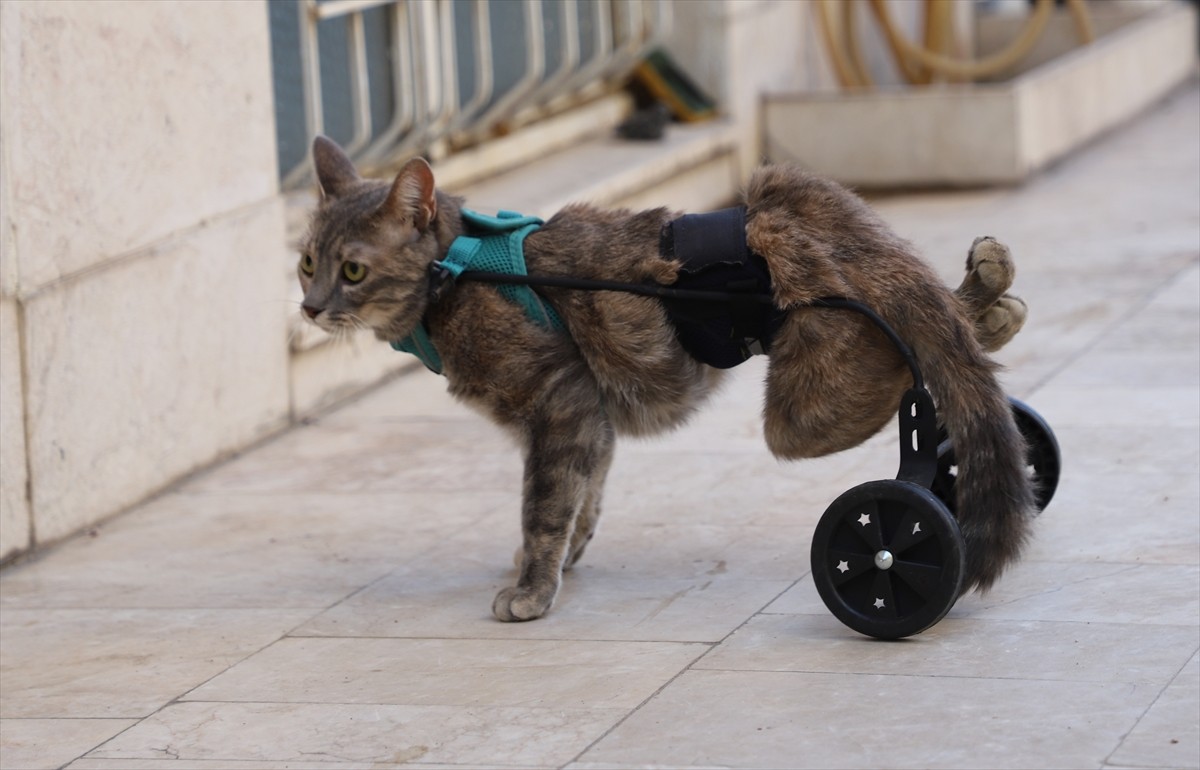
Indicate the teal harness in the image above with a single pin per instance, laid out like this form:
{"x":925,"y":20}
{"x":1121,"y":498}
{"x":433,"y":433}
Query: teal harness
{"x":492,"y":244}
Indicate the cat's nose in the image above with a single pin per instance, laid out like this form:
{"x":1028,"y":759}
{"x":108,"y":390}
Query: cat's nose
{"x":310,"y":311}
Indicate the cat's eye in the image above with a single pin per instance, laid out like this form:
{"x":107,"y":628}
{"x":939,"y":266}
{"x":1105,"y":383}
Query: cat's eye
{"x":354,"y":271}
{"x":308,"y":265}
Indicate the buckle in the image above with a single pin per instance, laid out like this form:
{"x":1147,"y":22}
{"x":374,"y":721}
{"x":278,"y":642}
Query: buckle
{"x":441,"y":280}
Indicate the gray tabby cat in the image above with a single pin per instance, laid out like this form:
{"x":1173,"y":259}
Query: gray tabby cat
{"x":833,"y":379}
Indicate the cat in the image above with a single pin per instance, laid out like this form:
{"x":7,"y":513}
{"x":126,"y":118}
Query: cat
{"x":833,"y":380}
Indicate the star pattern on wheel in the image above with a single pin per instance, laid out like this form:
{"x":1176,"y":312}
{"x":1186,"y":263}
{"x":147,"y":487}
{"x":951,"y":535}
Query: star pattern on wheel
{"x":879,"y":603}
{"x":843,"y":567}
{"x":916,"y":527}
{"x":865,"y":519}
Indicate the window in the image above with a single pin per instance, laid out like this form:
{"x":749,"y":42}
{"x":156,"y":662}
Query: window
{"x":391,"y":78}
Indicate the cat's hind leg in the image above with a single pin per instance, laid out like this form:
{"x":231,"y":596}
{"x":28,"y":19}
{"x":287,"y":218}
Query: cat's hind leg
{"x":569,"y":440}
{"x":832,"y":382}
{"x":997,"y":316}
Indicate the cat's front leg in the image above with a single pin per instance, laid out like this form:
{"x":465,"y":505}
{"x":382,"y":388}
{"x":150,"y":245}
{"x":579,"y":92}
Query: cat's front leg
{"x":588,"y":518}
{"x":566,"y":455}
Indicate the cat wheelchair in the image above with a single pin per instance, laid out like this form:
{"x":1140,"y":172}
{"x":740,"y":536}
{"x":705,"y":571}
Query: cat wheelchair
{"x":887,"y":556}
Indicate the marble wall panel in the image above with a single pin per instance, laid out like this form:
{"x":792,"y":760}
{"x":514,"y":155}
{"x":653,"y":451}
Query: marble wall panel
{"x":9,"y":48}
{"x":8,"y":263}
{"x":14,"y":505}
{"x":154,"y":366}
{"x":125,"y":122}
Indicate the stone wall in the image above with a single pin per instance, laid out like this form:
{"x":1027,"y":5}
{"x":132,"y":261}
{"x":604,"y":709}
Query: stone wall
{"x":142,"y":310}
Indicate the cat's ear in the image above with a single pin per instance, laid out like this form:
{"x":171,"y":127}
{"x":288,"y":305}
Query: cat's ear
{"x":413,"y":194}
{"x":335,"y":171}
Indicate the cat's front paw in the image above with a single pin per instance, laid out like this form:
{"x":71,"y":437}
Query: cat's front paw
{"x":517,"y":604}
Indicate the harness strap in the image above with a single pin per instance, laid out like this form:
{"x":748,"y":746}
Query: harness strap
{"x":420,"y":345}
{"x":495,"y":244}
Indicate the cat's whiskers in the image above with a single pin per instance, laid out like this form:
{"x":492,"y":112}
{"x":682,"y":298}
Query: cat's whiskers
{"x":356,"y":320}
{"x":343,"y":325}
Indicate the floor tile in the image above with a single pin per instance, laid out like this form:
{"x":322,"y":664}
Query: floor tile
{"x":1119,"y":406}
{"x":46,"y":744}
{"x":733,"y":489}
{"x":226,"y":764}
{"x":123,"y":663}
{"x":630,"y":546}
{"x":1169,"y":734}
{"x":1161,"y":328}
{"x":793,"y":720}
{"x":1142,"y":525}
{"x":1080,"y":334}
{"x":1139,"y":368}
{"x":673,"y":551}
{"x":335,"y":732}
{"x":637,"y":581}
{"x":1096,"y":453}
{"x":801,"y":599}
{"x":1074,"y":652}
{"x":1145,"y":494}
{"x":1150,"y":594}
{"x":283,"y":764}
{"x":1070,"y":311}
{"x":449,"y":672}
{"x":255,"y":764}
{"x":361,"y":456}
{"x":1139,"y":506}
{"x":1181,"y":293}
{"x":457,"y":604}
{"x":243,"y":551}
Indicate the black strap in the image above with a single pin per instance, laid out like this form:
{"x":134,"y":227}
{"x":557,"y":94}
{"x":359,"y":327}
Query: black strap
{"x":660,"y":291}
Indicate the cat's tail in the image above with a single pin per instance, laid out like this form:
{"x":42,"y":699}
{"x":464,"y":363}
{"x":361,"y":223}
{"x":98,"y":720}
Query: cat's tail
{"x":993,"y":488}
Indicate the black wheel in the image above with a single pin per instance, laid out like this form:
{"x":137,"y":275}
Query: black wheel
{"x":887,"y":559}
{"x":947,"y":471}
{"x":1044,"y":459}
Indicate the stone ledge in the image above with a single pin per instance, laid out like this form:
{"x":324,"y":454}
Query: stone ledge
{"x":990,"y":133}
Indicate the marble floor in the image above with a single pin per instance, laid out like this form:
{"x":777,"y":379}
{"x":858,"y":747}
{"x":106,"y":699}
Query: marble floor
{"x":323,"y":601}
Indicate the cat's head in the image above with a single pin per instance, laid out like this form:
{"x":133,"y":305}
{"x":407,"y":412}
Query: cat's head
{"x":364,"y":261}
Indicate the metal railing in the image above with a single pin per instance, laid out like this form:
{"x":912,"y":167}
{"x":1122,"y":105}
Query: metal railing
{"x":425,"y":56}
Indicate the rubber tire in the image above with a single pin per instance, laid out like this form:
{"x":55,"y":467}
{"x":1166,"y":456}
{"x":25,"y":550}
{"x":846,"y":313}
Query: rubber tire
{"x":1044,"y":457}
{"x":1044,"y":454}
{"x":925,"y":578}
